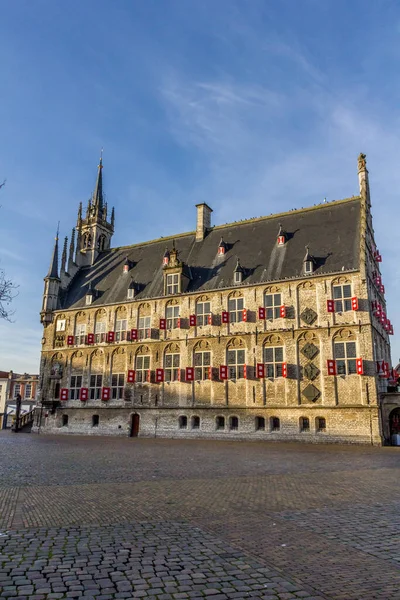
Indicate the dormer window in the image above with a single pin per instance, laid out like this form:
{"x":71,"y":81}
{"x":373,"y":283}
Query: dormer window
{"x":173,"y":283}
{"x":131,"y":291}
{"x":281,"y":239}
{"x":221,"y":248}
{"x":308,"y":262}
{"x":166,"y":257}
{"x":126,"y":265}
{"x":90,"y":295}
{"x":238,"y":273}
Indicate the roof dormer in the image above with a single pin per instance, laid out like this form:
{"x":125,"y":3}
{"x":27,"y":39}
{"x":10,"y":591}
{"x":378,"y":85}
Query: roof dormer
{"x":308,"y":262}
{"x":221,"y":248}
{"x":238,"y":273}
{"x":90,"y":294}
{"x":281,"y":239}
{"x":126,"y":266}
{"x":165,"y":259}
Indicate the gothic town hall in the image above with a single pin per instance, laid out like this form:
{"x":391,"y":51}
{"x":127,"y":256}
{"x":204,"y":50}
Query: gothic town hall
{"x":273,"y":328}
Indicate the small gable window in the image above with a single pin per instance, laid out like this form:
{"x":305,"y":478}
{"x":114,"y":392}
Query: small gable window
{"x":221,"y":248}
{"x":131,"y":293}
{"x":238,"y":273}
{"x":173,"y":283}
{"x":238,"y":277}
{"x":308,"y":262}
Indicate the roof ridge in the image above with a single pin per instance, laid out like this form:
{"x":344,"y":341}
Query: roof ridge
{"x":235,"y":223}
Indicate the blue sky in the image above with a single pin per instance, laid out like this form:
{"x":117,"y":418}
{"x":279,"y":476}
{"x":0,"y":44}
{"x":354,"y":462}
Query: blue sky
{"x":254,"y":107}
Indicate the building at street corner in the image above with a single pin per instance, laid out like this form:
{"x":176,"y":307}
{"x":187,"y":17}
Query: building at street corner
{"x":12,"y":384}
{"x":273,"y":328}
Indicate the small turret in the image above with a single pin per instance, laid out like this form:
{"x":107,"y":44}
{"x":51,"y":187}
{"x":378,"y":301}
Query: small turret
{"x":52,"y":284}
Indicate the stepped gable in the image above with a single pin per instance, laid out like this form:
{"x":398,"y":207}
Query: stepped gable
{"x":332,"y":232}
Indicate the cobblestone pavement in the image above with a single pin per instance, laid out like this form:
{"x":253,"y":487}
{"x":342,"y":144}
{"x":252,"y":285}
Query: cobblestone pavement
{"x":120,"y":518}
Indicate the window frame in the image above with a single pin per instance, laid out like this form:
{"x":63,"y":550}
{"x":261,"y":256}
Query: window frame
{"x":17,"y":389}
{"x":195,"y":422}
{"x":172,"y":319}
{"x":75,"y":384}
{"x":304,"y":425}
{"x":141,"y":371}
{"x":236,"y":368}
{"x":119,"y":330}
{"x":274,"y":424}
{"x":117,"y":390}
{"x":274,"y":368}
{"x":80,"y":334}
{"x":273,"y":310}
{"x":99,"y":335}
{"x":235,"y":310}
{"x":202,"y":370}
{"x":203,"y":315}
{"x":172,"y":283}
{"x":346,"y":365}
{"x":318,"y":427}
{"x":259,"y":423}
{"x":343,"y":302}
{"x":233,"y":423}
{"x":95,"y":424}
{"x":172,"y":373}
{"x":220,"y":423}
{"x":95,"y":386}
{"x":144,"y":327}
{"x":183,"y":422}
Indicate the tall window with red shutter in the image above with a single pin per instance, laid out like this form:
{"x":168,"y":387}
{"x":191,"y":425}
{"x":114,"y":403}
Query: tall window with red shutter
{"x":203,"y":310}
{"x":117,"y":385}
{"x":236,"y":363}
{"x":80,"y":333}
{"x":273,"y":360}
{"x":345,"y":354}
{"x":235,"y":308}
{"x":202,"y":362}
{"x":272,"y":304}
{"x":342,"y":297}
{"x":171,"y":367}
{"x":96,"y":383}
{"x":75,"y":385}
{"x":142,"y":368}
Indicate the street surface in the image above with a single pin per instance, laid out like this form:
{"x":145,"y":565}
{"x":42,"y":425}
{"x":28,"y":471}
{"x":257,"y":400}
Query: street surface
{"x":106,"y":518}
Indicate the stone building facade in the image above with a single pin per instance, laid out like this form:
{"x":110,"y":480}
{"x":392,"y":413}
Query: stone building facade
{"x":272,"y":328}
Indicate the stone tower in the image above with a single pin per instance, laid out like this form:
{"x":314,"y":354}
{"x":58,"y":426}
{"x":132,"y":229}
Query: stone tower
{"x":51,"y":292}
{"x":94,"y":231}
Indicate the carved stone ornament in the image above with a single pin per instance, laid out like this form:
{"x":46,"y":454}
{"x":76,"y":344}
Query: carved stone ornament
{"x":362,"y":161}
{"x":311,"y":393}
{"x":311,"y":371}
{"x":309,"y":315}
{"x":310,"y":351}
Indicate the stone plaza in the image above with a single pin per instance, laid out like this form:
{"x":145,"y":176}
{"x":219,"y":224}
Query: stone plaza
{"x":113,"y":518}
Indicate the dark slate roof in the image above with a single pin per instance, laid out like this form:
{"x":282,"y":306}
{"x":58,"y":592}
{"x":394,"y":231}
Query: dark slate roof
{"x":332,"y":232}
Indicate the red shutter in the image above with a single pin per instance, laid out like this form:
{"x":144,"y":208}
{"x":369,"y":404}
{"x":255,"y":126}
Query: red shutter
{"x":179,"y":323}
{"x":148,"y":376}
{"x":64,"y":394}
{"x":70,"y":340}
{"x":382,"y":288}
{"x":110,"y":336}
{"x":378,"y":280}
{"x":189,"y":373}
{"x":192,"y":321}
{"x":283,"y":311}
{"x":281,"y":240}
{"x":261,"y":312}
{"x":209,"y":319}
{"x":331,"y":364}
{"x":83,"y":394}
{"x":105,"y":393}
{"x":378,"y":257}
{"x":260,"y":370}
{"x":387,"y":371}
{"x":245,"y":371}
{"x":354,"y":303}
{"x":225,"y":316}
{"x":244,"y":313}
{"x":210,"y":373}
{"x":330,"y":306}
{"x":163,"y":324}
{"x":391,"y":330}
{"x":360,"y":366}
{"x":159,"y":375}
{"x":90,"y":338}
{"x":131,"y":376}
{"x":284,"y":369}
{"x":223,"y":372}
{"x":134,"y":334}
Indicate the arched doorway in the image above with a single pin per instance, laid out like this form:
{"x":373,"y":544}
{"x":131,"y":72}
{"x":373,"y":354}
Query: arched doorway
{"x":394,"y":423}
{"x":134,"y":427}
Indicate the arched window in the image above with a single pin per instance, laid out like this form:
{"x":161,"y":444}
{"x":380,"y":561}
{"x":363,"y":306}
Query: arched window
{"x":233,"y":423}
{"x":320,"y":424}
{"x":64,"y":420}
{"x":304,"y":423}
{"x":260,"y":424}
{"x":95,"y":420}
{"x":220,"y":423}
{"x":195,"y":423}
{"x":182,"y":422}
{"x":275,"y":424}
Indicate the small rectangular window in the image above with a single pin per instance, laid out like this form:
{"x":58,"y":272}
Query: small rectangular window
{"x":96,"y":383}
{"x":173,"y":283}
{"x":273,"y":359}
{"x":345,"y":355}
{"x":75,"y":387}
{"x":235,"y":308}
{"x":117,"y":385}
{"x":171,"y":367}
{"x":342,"y":297}
{"x":272,"y":304}
{"x":28,"y":390}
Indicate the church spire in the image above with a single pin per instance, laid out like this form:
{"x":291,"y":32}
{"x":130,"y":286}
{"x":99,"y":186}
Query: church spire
{"x":53,"y":270}
{"x":97,"y":200}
